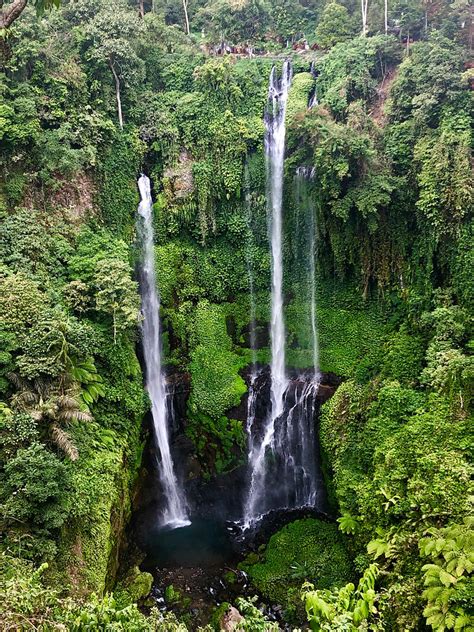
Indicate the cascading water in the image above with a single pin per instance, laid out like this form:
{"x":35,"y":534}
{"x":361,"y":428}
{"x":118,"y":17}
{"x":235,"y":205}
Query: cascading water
{"x":305,"y":204}
{"x":253,"y":391}
{"x":313,"y":99}
{"x":174,"y":513}
{"x":274,"y":155}
{"x":282,"y":454}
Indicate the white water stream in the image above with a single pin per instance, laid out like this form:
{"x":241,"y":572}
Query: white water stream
{"x":274,"y":155}
{"x":174,"y":513}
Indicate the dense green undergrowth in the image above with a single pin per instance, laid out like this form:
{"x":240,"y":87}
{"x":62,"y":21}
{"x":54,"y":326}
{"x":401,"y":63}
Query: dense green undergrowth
{"x":301,"y":550}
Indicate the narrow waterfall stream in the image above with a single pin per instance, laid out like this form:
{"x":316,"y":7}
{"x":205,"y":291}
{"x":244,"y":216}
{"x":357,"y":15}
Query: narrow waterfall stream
{"x":304,"y":175}
{"x":174,"y":513}
{"x":254,"y":373}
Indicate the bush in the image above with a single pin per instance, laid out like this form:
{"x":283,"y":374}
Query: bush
{"x":303,"y":550}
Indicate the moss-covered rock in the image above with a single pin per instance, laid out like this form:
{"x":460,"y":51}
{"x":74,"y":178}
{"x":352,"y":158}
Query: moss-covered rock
{"x":135,"y":587}
{"x":304,"y":550}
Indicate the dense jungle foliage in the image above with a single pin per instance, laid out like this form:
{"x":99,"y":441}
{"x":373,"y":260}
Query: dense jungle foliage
{"x":92,"y":92}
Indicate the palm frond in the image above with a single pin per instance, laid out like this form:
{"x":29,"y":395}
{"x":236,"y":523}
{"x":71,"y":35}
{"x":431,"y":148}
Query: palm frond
{"x":73,"y":415}
{"x":67,"y":402}
{"x":64,"y":442}
{"x":28,"y":398}
{"x":43,"y":386}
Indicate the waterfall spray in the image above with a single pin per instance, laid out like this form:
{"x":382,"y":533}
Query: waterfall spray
{"x":174,"y":513}
{"x":303,"y":176}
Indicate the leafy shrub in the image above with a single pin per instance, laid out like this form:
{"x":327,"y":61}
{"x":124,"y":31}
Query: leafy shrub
{"x":303,"y":550}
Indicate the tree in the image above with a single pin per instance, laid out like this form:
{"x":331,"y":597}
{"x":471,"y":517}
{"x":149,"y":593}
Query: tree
{"x":13,"y":10}
{"x":236,"y":22}
{"x":334,"y":25}
{"x":117,"y":294}
{"x":113,"y":32}
{"x":186,"y":16}
{"x":52,"y":406}
{"x":35,"y":488}
{"x":365,"y":9}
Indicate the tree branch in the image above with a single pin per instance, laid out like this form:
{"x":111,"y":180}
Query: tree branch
{"x":11,"y":12}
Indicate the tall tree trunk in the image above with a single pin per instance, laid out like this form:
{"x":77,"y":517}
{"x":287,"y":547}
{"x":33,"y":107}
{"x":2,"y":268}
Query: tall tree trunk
{"x":386,"y":16}
{"x":117,"y":93}
{"x":186,"y":17}
{"x":141,"y":8}
{"x":11,"y":12}
{"x":364,"y":8}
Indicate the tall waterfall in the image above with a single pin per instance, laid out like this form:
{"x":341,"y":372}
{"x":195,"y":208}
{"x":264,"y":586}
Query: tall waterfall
{"x":274,"y":154}
{"x":283,"y":468}
{"x":174,"y":513}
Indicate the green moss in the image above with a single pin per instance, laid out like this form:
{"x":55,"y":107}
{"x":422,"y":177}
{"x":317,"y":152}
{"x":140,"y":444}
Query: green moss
{"x":102,"y":478}
{"x":298,"y":97}
{"x":216,"y":384}
{"x":217,"y":615}
{"x":174,"y":597}
{"x":135,"y":587}
{"x":303,"y":550}
{"x":351,"y":331}
{"x":230,"y":577}
{"x":219,"y":442}
{"x":404,"y":356}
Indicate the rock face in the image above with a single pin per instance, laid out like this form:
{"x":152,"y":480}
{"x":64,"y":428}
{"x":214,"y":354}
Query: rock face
{"x":230,"y":619}
{"x":178,"y":180}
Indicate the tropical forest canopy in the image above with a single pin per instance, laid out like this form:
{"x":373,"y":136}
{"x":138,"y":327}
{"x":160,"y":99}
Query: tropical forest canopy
{"x":92,"y":92}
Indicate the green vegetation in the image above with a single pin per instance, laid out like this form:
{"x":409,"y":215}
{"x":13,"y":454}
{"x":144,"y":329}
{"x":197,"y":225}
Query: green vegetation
{"x":93,"y":91}
{"x":303,"y":550}
{"x":347,"y":608}
{"x":334,"y":25}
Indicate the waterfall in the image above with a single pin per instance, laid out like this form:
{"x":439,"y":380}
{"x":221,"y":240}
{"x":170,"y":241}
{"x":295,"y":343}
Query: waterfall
{"x":313,"y":99}
{"x":274,"y":155}
{"x":253,"y":391}
{"x":306,"y":206}
{"x":174,"y":513}
{"x":283,"y":468}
